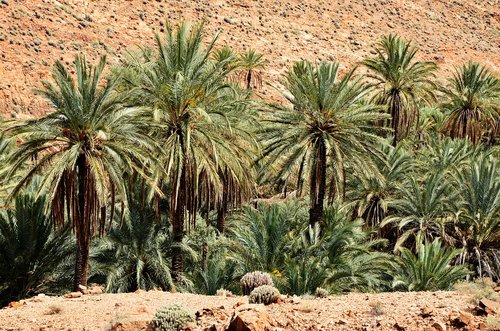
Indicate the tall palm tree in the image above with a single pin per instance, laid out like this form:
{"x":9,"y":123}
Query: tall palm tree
{"x":401,"y":83}
{"x":81,"y":151}
{"x":473,"y":104}
{"x":328,"y":127}
{"x":251,"y":64}
{"x":188,"y":97}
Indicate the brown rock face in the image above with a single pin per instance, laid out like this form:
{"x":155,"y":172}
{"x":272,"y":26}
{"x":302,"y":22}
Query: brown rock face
{"x":35,"y":33}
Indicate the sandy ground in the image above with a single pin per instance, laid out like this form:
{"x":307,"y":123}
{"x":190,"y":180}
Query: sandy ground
{"x":355,"y":311}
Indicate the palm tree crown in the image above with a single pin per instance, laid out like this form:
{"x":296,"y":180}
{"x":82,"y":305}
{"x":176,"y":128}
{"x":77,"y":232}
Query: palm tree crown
{"x":473,"y":105}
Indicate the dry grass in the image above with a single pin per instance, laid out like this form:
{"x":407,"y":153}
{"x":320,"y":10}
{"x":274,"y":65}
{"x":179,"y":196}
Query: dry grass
{"x":377,"y":308}
{"x":54,"y":310}
{"x":479,"y":289}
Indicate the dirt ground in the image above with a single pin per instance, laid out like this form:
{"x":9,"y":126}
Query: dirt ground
{"x":355,"y":311}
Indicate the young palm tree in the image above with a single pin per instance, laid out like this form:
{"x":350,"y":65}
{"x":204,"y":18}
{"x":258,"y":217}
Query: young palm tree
{"x":423,"y":210}
{"x":251,"y":64}
{"x":259,"y":236}
{"x":133,"y":255}
{"x":429,"y":270}
{"x":187,"y":96}
{"x":478,"y":226}
{"x":402,"y":84}
{"x":473,"y":105}
{"x":81,"y":151}
{"x":371,"y":195}
{"x":328,"y":127}
{"x":30,"y":252}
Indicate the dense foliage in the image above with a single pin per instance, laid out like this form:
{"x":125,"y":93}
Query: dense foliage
{"x":174,"y":174}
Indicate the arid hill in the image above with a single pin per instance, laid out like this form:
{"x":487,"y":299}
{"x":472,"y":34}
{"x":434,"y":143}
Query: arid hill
{"x":35,"y":33}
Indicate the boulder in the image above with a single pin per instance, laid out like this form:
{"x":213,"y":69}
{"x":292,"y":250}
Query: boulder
{"x":132,"y":324}
{"x":491,"y":307}
{"x":248,"y":318}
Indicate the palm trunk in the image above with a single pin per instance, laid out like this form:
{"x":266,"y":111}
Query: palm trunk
{"x":222,"y":208}
{"x":204,"y":256}
{"x":82,"y":227}
{"x":178,"y":226}
{"x":249,"y":79}
{"x":395,"y":110}
{"x":318,"y":185}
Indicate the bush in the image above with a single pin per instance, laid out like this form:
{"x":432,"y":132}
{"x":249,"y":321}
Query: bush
{"x":321,"y":293}
{"x":264,"y":294}
{"x":172,"y":318}
{"x":253,"y":280}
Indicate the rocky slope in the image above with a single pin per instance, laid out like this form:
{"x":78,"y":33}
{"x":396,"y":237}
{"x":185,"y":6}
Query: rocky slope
{"x":355,"y":311}
{"x":35,"y":33}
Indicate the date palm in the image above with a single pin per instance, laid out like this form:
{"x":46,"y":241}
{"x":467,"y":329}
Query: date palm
{"x":132,"y":255}
{"x":251,"y":64}
{"x":30,"y":252}
{"x":328,"y":127}
{"x":372,"y":194}
{"x":478,"y":226}
{"x":423,"y":209}
{"x":195,"y":110}
{"x":473,"y":105}
{"x":430,"y":269}
{"x":401,"y":82}
{"x":81,"y":151}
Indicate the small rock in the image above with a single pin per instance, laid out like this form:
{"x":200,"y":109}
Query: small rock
{"x":466,"y":317}
{"x":16,"y":304}
{"x":83,"y":289}
{"x":439,"y":326}
{"x":73,"y":295}
{"x":426,"y":312}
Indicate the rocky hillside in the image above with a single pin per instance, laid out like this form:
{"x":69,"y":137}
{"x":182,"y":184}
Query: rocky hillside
{"x":35,"y":33}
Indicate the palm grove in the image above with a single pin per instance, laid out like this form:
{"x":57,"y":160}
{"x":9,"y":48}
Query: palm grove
{"x":166,"y":171}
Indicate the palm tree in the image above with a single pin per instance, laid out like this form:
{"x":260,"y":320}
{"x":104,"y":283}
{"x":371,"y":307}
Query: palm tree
{"x":328,"y":127}
{"x":259,"y":235}
{"x":188,"y":97}
{"x":251,"y":64}
{"x":401,"y":83}
{"x":478,"y":225}
{"x":473,"y":104}
{"x":30,"y":252}
{"x":133,"y":255}
{"x":372,"y":195}
{"x":423,"y":210}
{"x":82,"y":151}
{"x":429,"y":270}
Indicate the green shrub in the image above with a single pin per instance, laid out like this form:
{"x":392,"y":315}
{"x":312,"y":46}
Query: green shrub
{"x":264,"y":294}
{"x":172,"y":318}
{"x":253,"y":280}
